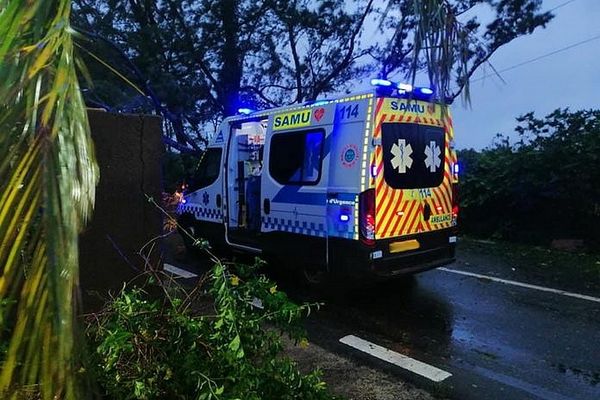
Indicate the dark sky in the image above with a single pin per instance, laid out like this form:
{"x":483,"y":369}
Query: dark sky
{"x":570,"y":78}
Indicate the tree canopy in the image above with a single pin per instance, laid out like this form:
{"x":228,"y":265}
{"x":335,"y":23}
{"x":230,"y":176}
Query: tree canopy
{"x":195,"y":61}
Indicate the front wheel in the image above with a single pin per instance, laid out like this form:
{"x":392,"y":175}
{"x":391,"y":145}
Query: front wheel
{"x":187,"y":227}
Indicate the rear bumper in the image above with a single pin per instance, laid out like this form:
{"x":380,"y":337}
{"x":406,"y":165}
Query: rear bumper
{"x":417,"y":261}
{"x":435,"y":250}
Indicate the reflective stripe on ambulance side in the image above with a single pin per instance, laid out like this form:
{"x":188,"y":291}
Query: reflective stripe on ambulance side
{"x":365,"y":166}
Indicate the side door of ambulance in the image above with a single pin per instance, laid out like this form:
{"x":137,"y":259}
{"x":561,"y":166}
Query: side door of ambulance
{"x":294,"y":183}
{"x":243,"y":168}
{"x":204,"y":200}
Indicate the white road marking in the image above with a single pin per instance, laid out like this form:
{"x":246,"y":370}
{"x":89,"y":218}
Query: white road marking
{"x":402,"y":361}
{"x":536,"y":391}
{"x":179,"y":272}
{"x":521,"y":284}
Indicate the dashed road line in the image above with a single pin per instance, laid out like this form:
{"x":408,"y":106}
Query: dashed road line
{"x":420,"y":368}
{"x":179,"y":272}
{"x":521,"y":284}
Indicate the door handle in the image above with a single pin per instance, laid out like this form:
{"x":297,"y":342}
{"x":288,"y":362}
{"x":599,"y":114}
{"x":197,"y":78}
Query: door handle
{"x":267,"y":206}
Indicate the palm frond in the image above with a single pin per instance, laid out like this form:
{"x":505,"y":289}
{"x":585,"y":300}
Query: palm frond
{"x":443,"y":44}
{"x":47,"y":188}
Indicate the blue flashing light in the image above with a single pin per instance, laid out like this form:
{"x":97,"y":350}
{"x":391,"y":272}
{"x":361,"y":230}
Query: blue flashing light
{"x":381,"y":82}
{"x":245,"y":111}
{"x":373,"y":170}
{"x":344,"y":217}
{"x":183,"y":201}
{"x":456,"y":169}
{"x":320,"y":102}
{"x":426,"y":91}
{"x":406,"y":87}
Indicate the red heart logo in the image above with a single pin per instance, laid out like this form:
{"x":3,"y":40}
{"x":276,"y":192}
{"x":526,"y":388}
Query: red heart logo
{"x":319,"y":113}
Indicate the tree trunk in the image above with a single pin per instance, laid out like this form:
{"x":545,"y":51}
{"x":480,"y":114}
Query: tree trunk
{"x":231,"y":71}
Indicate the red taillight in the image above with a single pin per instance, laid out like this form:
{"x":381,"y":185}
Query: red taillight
{"x":455,"y":206}
{"x":455,"y":209}
{"x":366,"y":204}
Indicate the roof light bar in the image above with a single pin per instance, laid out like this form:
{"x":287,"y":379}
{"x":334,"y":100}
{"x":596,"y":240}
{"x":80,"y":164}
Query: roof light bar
{"x":405,"y":86}
{"x":381,"y":82}
{"x":245,"y":111}
{"x":420,"y":93}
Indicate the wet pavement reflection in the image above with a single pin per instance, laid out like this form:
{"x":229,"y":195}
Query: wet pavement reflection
{"x":496,"y":339}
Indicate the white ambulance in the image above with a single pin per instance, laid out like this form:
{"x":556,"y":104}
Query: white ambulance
{"x":361,"y":184}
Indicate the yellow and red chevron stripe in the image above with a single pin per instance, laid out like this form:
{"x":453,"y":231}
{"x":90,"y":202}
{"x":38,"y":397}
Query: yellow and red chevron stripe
{"x":400,"y":212}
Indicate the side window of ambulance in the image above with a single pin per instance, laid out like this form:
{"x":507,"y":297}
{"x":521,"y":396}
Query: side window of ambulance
{"x":208,"y":169}
{"x":296,"y":158}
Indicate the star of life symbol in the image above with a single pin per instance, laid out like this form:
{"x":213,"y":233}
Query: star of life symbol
{"x":432,"y":156}
{"x":402,"y":159}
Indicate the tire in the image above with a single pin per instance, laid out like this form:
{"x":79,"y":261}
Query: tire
{"x":187,"y":224}
{"x":321,"y":285}
{"x":314,"y":276}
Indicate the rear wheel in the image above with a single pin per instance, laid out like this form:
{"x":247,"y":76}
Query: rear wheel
{"x":315,"y":276}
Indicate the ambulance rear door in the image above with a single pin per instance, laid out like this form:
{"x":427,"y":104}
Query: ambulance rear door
{"x":412,"y":167}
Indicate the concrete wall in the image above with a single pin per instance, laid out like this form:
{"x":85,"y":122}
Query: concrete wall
{"x":129,"y":151}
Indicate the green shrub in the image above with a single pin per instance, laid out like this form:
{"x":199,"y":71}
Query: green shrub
{"x":544,"y":186}
{"x":216,"y":346}
{"x":178,"y":169}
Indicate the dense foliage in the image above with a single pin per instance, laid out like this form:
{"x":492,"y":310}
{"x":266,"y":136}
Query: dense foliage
{"x":178,"y":169}
{"x":544,"y":186}
{"x":224,"y":345}
{"x":195,"y":61}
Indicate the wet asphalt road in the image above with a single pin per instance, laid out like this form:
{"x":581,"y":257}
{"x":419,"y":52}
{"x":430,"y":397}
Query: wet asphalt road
{"x":498,"y":341}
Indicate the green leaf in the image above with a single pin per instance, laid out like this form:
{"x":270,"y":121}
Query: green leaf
{"x":47,"y":189}
{"x":234,"y":345}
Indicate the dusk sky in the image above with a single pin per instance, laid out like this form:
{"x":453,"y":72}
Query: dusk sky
{"x":570,"y":78}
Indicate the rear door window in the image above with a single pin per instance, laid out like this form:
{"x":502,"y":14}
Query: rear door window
{"x":413,"y":155}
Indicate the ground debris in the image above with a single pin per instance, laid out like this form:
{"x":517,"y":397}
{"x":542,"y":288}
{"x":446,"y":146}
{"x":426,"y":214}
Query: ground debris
{"x":353,"y":381}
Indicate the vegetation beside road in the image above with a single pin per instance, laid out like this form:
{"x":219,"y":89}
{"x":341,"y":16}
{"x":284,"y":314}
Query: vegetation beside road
{"x":542,"y":187}
{"x":222,"y":339}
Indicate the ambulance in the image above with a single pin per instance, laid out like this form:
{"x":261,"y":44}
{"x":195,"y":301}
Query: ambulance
{"x":360,"y":185}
